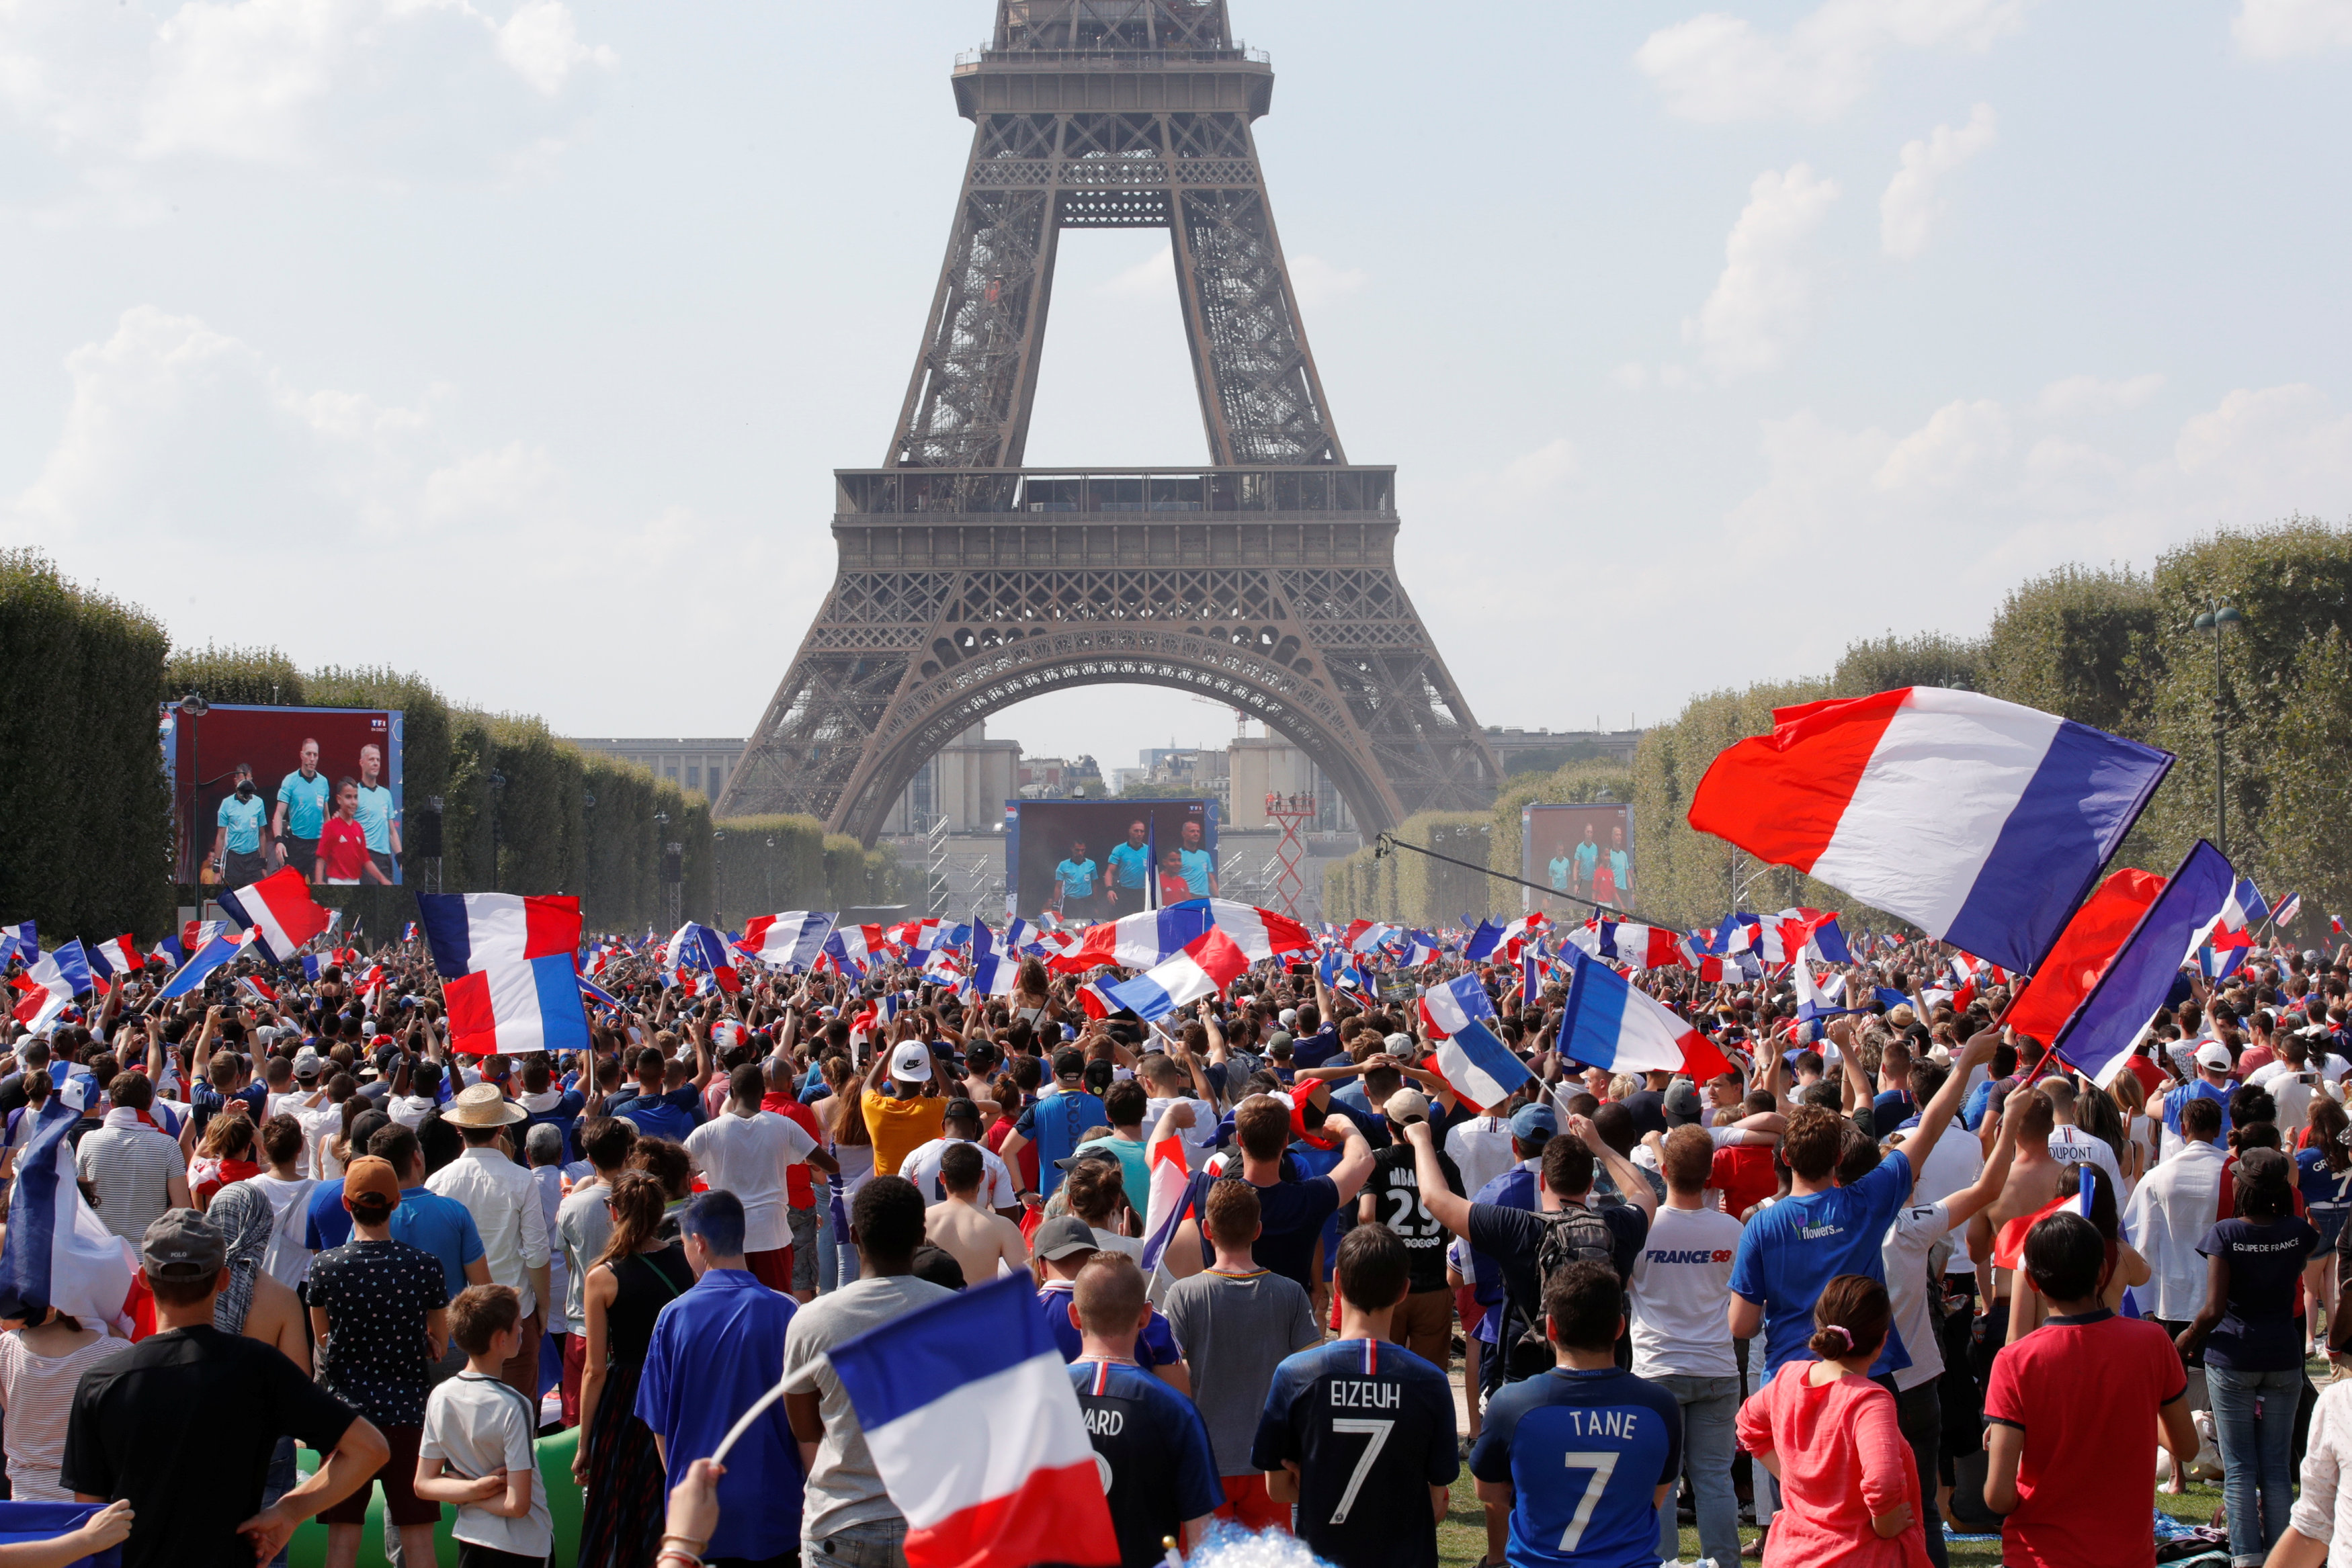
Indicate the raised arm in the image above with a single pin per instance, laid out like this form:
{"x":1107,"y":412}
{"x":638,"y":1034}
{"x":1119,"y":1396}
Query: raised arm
{"x":1939,"y":1111}
{"x":1631,"y":1182}
{"x":1448,"y":1208}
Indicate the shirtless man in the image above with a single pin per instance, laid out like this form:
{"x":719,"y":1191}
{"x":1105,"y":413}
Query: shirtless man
{"x":974,"y":1237}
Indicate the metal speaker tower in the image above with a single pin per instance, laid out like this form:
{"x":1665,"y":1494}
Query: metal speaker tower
{"x":965,"y":582}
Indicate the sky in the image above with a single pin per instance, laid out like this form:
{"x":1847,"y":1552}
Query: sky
{"x":513,"y":342}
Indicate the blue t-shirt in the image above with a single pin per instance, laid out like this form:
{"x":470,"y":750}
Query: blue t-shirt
{"x":1584,"y":1453}
{"x":375,"y":817}
{"x":714,"y":1352}
{"x":2322,"y":1188}
{"x":1197,"y":867}
{"x":441,"y":1225}
{"x":1560,"y":868}
{"x":305,"y":800}
{"x":1371,"y":1426}
{"x":1077,"y":877}
{"x":1155,"y":1346}
{"x":1790,"y":1253}
{"x":2196,"y":1089}
{"x":1054,"y":1123}
{"x":670,"y":1115}
{"x":1152,"y":1451}
{"x":2260,"y":1329}
{"x":243,"y":819}
{"x":564,"y":1115}
{"x":1130,"y":867}
{"x":1587,"y":856}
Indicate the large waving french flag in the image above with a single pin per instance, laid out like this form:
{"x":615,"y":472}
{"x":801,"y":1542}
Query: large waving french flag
{"x":2118,"y":1007}
{"x":58,"y":1252}
{"x":1139,"y":941}
{"x":197,"y":969}
{"x":21,"y":940}
{"x":1471,"y":1057}
{"x":792,"y":941}
{"x":118,"y":956}
{"x":1982,"y":821}
{"x":48,"y":988}
{"x":1610,"y":1023}
{"x":1203,"y":967}
{"x":967,"y":1408}
{"x":279,"y":912}
{"x":506,"y":967}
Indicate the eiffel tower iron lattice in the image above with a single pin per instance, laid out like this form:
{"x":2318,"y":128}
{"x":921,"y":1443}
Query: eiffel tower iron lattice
{"x":966,"y":584}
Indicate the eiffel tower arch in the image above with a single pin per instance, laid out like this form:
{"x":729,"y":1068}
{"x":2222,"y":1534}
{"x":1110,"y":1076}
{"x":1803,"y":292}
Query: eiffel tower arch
{"x":965,"y":582}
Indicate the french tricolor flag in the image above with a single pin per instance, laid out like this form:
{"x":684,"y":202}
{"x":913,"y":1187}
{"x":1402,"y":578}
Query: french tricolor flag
{"x":1608,"y":1022}
{"x":58,"y":1252}
{"x":1471,"y":1057}
{"x":694,"y":945}
{"x":1981,"y":821}
{"x":505,"y":963}
{"x":19,"y":941}
{"x":1205,"y":966}
{"x":118,"y":956}
{"x":2115,"y":1007}
{"x":2240,"y":913}
{"x":1177,"y":1193}
{"x":599,"y":994}
{"x":49,"y":986}
{"x":2289,"y":910}
{"x":792,"y":941}
{"x":279,"y":912}
{"x":1139,"y":941}
{"x":1098,"y":1002}
{"x":853,"y":949}
{"x":193,"y":973}
{"x":967,"y":1408}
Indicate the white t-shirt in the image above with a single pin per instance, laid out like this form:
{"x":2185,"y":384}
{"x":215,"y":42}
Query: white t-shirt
{"x":2072,"y":1146}
{"x":1198,"y":1139}
{"x":1680,"y":1296}
{"x":1954,"y":1163}
{"x":747,"y":1156}
{"x":287,"y":1261}
{"x":1905,"y":1252}
{"x":1481,"y":1150}
{"x":921,"y":1166}
{"x":476,"y":1424}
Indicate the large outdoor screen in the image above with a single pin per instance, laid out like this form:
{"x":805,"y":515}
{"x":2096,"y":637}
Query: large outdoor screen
{"x":1586,"y":851}
{"x":323,"y":793}
{"x":1097,"y":859}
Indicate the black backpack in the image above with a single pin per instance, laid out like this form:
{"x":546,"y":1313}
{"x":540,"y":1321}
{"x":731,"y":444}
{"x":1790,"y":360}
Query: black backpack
{"x":1571,"y":1235}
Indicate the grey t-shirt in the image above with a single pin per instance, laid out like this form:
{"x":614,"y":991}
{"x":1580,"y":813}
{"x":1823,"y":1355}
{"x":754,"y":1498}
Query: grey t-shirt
{"x":1235,"y":1330}
{"x":582,"y":1226}
{"x":843,"y":1488}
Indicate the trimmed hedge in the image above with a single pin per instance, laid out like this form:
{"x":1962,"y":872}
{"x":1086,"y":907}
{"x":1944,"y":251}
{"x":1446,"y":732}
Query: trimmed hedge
{"x":85,"y":815}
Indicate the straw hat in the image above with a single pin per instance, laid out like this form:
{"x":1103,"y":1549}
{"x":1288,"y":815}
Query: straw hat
{"x":482,"y":1105}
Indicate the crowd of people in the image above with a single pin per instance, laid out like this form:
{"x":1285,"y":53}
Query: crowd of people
{"x":1897,"y":1270}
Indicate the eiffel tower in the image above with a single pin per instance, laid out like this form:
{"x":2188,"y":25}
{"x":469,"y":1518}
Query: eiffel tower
{"x":966,"y":583}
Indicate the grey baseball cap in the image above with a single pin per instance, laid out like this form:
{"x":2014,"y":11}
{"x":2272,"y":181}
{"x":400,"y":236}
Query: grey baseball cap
{"x":1063,"y":1235}
{"x":183,"y":1245}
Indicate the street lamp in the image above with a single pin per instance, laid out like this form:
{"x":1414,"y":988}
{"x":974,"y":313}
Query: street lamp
{"x":2212,"y":621}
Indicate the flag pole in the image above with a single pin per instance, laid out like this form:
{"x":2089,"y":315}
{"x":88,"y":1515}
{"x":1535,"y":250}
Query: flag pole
{"x":1386,"y":842}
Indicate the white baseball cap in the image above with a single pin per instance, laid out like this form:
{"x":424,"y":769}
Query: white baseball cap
{"x":910,"y":1061}
{"x":2215,"y":1055}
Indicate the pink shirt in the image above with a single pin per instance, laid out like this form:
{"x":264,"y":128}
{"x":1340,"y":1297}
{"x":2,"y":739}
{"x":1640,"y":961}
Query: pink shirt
{"x":1842,"y":1460}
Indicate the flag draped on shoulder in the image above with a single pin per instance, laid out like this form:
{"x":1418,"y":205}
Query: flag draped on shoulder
{"x":1980,"y":821}
{"x":507,"y":968}
{"x":58,"y":1252}
{"x":278,"y":912}
{"x":967,"y":1408}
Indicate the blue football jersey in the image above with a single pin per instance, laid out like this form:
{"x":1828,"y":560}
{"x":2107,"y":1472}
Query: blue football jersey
{"x":1585,"y":1453}
{"x":1371,"y":1426}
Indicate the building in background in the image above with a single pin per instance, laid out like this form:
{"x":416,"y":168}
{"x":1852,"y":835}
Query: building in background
{"x":1541,"y":751}
{"x":968,"y":782}
{"x":694,"y":763}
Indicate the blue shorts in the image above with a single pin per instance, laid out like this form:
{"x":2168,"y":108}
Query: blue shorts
{"x":2329,"y":1223}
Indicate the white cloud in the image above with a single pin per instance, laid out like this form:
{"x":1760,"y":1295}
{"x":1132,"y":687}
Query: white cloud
{"x":2077,"y":396}
{"x":195,"y":478}
{"x":376,"y":88}
{"x":2281,"y":29}
{"x":1320,"y":282}
{"x":1908,"y":210}
{"x":1717,"y":67}
{"x":1761,"y":303}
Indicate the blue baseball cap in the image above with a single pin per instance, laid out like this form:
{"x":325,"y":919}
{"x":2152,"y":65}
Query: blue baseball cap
{"x":1532,"y":1123}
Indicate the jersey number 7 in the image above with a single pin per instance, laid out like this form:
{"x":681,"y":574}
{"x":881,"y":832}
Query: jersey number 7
{"x":1379,"y":1432}
{"x":1602,"y":1466}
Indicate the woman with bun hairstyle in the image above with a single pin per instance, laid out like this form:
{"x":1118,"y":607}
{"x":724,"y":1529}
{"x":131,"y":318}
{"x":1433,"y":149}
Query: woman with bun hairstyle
{"x":1849,"y":1491}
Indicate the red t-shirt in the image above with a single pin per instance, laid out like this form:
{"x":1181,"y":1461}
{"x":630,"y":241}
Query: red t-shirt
{"x":1743,"y":1174}
{"x":2084,"y":1390}
{"x":342,"y":849}
{"x":798,"y":1192}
